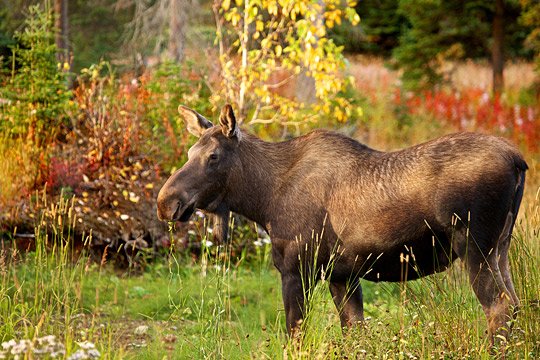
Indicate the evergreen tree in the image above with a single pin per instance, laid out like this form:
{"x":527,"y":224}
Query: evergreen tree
{"x":531,"y":18}
{"x":452,"y":30}
{"x":35,"y":96}
{"x":378,"y":31}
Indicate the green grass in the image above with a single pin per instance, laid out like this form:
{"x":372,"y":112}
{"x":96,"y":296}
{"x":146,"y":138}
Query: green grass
{"x":178,"y":309}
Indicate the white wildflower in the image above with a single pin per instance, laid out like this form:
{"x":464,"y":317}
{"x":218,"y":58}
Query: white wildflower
{"x":208,"y":243}
{"x":22,"y":347}
{"x":257,"y":242}
{"x":9,"y":344}
{"x":78,"y":355}
{"x":141,"y":330}
{"x":87,"y":351}
{"x":49,"y":339}
{"x":86,"y":345}
{"x":200,"y":214}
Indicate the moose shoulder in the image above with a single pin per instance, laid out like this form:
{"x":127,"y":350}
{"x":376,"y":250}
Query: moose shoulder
{"x":380,"y":216}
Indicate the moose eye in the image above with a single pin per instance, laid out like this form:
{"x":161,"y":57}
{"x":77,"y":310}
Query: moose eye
{"x":213,"y":156}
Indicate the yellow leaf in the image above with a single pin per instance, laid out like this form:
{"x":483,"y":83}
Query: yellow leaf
{"x":278,"y":50}
{"x":226,"y":4}
{"x":272,"y":8}
{"x":149,"y":186}
{"x":235,"y":19}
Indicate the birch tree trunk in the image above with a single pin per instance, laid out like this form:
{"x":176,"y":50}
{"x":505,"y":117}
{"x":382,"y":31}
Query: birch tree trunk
{"x":177,"y":29}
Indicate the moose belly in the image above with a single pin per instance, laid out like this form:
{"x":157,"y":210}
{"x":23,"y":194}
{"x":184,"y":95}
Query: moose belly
{"x":421,"y":257}
{"x":411,"y":261}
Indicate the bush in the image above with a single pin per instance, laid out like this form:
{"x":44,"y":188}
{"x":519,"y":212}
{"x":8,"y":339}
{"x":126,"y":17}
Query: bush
{"x":35,"y":97}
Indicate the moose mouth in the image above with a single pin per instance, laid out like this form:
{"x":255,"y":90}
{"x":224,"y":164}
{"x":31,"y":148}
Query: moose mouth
{"x":183,"y":214}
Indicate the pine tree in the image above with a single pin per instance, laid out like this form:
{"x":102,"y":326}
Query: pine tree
{"x":442,"y":31}
{"x":531,"y":18}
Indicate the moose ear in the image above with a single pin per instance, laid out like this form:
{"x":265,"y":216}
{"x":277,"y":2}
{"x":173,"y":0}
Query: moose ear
{"x":196,"y":123}
{"x":229,"y":126}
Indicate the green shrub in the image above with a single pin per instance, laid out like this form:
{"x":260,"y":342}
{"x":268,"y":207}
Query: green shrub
{"x":35,"y":97}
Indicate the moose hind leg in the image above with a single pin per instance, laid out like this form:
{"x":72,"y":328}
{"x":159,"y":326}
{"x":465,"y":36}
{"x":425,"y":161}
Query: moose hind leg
{"x":504,"y":265}
{"x":349,"y":303}
{"x":490,"y":289}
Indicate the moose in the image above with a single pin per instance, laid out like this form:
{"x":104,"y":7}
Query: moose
{"x":380,"y":216}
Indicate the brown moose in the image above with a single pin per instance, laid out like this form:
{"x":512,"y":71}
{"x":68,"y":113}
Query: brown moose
{"x":379,"y":216}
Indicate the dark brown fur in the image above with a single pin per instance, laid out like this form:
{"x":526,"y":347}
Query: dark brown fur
{"x":381,"y":216}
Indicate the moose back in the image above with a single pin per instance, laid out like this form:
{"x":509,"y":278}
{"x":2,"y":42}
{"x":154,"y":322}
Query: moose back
{"x":328,"y":201}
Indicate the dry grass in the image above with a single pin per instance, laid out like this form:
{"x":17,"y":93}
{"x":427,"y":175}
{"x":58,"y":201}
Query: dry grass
{"x":372,"y":74}
{"x":469,"y":74}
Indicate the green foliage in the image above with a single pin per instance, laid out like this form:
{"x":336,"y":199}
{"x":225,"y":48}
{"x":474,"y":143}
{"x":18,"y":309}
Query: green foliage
{"x":35,"y":98}
{"x":5,"y":40}
{"x":531,"y":18}
{"x":454,"y":30}
{"x":11,"y":18}
{"x":95,"y":30}
{"x":167,"y":86}
{"x":378,"y":31}
{"x":450,"y":30}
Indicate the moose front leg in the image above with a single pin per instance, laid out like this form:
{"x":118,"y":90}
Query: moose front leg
{"x":349,"y":303}
{"x":221,"y":223}
{"x":293,"y":301}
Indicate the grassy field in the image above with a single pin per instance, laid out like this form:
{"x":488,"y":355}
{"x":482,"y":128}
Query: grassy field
{"x":53,"y":303}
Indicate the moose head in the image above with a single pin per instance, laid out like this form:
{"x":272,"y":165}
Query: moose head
{"x":202,"y":182}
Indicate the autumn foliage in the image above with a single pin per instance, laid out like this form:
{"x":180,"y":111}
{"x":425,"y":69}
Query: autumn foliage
{"x":474,"y":109}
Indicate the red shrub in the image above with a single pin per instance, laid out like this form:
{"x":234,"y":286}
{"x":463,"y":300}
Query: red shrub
{"x":473,"y":109}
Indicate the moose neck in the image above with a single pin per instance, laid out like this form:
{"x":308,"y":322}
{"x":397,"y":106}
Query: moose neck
{"x":251,"y":190}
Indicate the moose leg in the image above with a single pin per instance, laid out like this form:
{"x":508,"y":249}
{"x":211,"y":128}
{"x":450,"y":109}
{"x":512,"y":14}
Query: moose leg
{"x":293,"y":301}
{"x":348,"y":301}
{"x":504,"y":265}
{"x":221,"y":224}
{"x":490,"y":289}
